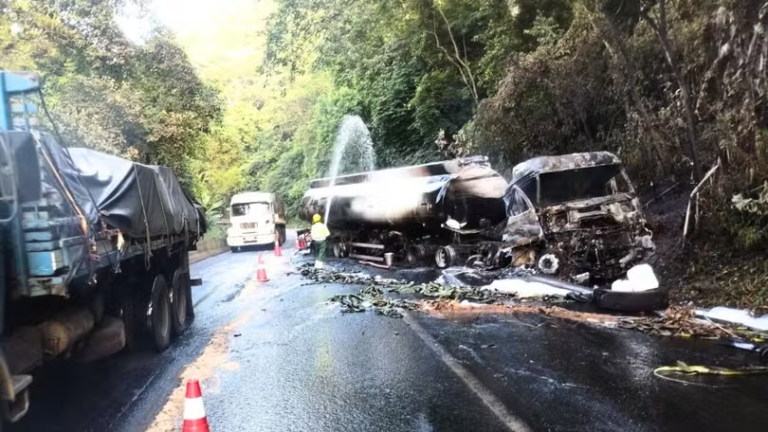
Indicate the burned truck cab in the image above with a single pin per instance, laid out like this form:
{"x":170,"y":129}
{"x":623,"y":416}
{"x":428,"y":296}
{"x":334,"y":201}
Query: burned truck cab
{"x":576,"y":215}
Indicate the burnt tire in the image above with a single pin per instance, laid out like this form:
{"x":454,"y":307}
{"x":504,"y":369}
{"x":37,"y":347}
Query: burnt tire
{"x":160,"y":315}
{"x":180,"y":291}
{"x":641,"y":301}
{"x":446,"y":256}
{"x":415,"y":254}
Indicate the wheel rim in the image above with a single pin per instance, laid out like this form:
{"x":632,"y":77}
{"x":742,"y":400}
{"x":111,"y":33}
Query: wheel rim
{"x":549,"y":264}
{"x":410,"y":257}
{"x":179,"y":299}
{"x":161,"y":312}
{"x":441,"y":257}
{"x":164,"y":317}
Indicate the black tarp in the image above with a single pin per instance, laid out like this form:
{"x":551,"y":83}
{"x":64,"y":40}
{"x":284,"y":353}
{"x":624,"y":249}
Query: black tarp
{"x":140,"y":200}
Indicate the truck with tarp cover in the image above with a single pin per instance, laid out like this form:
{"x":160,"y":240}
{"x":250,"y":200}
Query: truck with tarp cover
{"x":93,"y":251}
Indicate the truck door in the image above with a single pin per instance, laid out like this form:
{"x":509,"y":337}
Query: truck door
{"x":523,"y":226}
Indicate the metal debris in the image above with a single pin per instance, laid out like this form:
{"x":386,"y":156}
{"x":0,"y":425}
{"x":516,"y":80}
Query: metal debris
{"x":682,"y":322}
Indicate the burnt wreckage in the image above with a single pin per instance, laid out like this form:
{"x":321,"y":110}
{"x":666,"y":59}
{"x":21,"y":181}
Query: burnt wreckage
{"x":575,"y":214}
{"x":566,"y":215}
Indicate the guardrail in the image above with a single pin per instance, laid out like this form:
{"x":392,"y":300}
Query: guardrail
{"x":207,"y":248}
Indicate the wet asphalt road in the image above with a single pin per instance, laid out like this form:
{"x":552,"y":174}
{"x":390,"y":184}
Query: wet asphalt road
{"x":295,"y":363}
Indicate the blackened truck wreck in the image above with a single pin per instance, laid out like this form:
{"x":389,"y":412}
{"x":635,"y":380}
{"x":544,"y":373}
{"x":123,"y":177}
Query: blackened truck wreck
{"x":571,"y":215}
{"x":575,"y":215}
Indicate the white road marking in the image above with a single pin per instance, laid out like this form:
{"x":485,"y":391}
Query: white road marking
{"x":513,"y":422}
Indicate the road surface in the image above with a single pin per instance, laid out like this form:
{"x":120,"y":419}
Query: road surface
{"x":277,"y":357}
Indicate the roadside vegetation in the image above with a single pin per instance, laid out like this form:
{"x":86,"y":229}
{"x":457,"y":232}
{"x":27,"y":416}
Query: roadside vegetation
{"x":676,"y":88}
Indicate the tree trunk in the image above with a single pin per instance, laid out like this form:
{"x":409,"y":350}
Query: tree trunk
{"x":659,"y":26}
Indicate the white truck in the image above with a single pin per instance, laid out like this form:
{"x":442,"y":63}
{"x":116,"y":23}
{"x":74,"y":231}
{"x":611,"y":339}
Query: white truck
{"x":256,"y":219}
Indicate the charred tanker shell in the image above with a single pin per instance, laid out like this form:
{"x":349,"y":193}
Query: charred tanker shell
{"x":460,"y":194}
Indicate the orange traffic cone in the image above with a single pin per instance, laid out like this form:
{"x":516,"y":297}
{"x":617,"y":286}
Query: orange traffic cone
{"x":278,"y":252}
{"x":261,"y":272}
{"x":194,"y":411}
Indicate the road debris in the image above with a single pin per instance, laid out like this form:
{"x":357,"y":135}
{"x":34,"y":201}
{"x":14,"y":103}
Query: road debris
{"x":357,"y":278}
{"x":682,"y":369}
{"x":735,"y":316}
{"x":639,"y":278}
{"x":682,"y":322}
{"x":760,"y":350}
{"x":712,"y":370}
{"x":524,"y":289}
{"x":509,"y":297}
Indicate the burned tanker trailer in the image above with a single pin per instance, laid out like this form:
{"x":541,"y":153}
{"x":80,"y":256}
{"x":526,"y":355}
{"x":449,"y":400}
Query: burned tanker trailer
{"x":442,"y":211}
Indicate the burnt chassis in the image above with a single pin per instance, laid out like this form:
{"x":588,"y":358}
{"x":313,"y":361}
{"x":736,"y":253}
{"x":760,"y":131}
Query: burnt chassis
{"x":414,"y":213}
{"x":598,"y":237}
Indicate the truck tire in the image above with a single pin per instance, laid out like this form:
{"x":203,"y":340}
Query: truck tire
{"x":180,"y":290}
{"x":160,"y":316}
{"x":446,"y":256}
{"x":642,"y":301}
{"x":281,"y":235}
{"x":340,"y":250}
{"x":131,"y":315}
{"x":415,"y":254}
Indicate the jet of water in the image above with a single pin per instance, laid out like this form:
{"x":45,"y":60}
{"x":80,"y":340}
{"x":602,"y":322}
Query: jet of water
{"x":352,"y":152}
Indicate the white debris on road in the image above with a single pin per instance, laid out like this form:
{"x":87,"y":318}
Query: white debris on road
{"x":734,"y":316}
{"x":523,"y":289}
{"x":639,"y":278}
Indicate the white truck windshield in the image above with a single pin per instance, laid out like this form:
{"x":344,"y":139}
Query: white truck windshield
{"x":245,"y":209}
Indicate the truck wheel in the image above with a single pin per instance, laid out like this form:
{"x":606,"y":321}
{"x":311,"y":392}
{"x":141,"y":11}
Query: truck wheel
{"x":131,"y":315}
{"x":281,"y":235}
{"x":340,"y":250}
{"x":548,"y":263}
{"x":642,"y":301}
{"x":180,"y":290}
{"x":445,"y":256}
{"x":160,"y":325}
{"x":415,"y":254}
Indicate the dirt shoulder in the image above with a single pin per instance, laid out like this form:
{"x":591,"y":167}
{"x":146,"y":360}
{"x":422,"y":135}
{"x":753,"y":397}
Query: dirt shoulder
{"x":704,"y":271}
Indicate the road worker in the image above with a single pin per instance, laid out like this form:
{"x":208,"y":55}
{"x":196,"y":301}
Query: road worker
{"x":319,"y":234}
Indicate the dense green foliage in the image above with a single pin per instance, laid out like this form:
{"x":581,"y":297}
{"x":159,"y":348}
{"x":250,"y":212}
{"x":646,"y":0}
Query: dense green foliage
{"x":143,"y":101}
{"x":677,"y":88}
{"x":672,"y":86}
{"x":251,"y":95}
{"x":419,"y":67}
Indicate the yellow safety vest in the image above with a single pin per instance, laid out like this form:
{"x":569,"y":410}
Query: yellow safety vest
{"x":319,"y":231}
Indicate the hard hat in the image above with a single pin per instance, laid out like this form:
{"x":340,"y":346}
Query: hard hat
{"x":316,"y":218}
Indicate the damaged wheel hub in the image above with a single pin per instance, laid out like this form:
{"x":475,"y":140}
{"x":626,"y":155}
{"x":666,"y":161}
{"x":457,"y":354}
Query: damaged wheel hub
{"x":549,"y":264}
